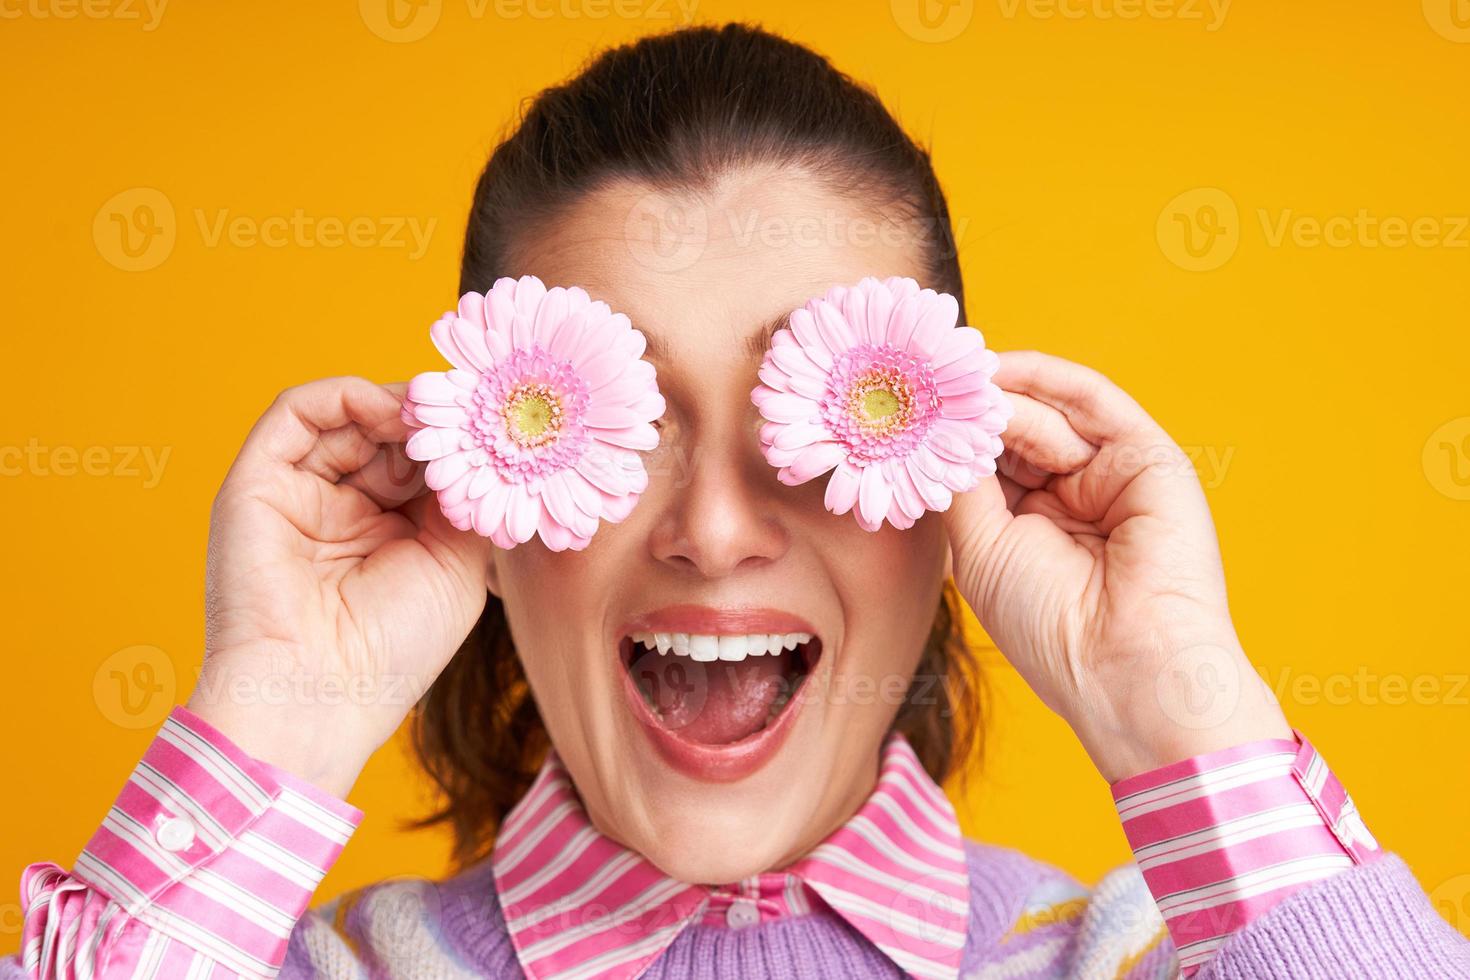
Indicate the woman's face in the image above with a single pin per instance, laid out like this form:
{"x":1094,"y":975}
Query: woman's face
{"x":718,"y":769}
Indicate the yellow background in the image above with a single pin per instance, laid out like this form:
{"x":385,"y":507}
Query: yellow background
{"x":1321,"y":386}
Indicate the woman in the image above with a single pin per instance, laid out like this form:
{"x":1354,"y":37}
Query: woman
{"x":706,"y":183}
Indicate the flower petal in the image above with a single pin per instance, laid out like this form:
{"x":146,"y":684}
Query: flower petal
{"x":813,"y":388}
{"x":906,"y":495}
{"x":616,"y":509}
{"x":962,"y":384}
{"x":774,"y":377}
{"x":642,"y":437}
{"x":938,"y":314}
{"x":601,"y":469}
{"x":489,"y":512}
{"x":427,"y":444}
{"x":610,"y":415}
{"x":956,"y":344}
{"x":804,"y":328}
{"x":874,"y":494}
{"x":553,"y":310}
{"x":950,"y":441}
{"x":441,"y":333}
{"x":434,"y":388}
{"x":833,"y":327}
{"x":901,"y":323}
{"x":880,"y":310}
{"x":842,"y":488}
{"x":482,"y":480}
{"x":792,"y":359}
{"x":933,"y":492}
{"x":522,"y":514}
{"x":783,"y":407}
{"x":557,"y":496}
{"x":443,"y":471}
{"x":816,"y":460}
{"x":554,"y":535}
{"x":602,"y":367}
{"x":800,"y":434}
{"x":443,"y":416}
{"x":967,"y":405}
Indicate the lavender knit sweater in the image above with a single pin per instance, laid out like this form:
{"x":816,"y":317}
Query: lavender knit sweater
{"x":1027,"y":920}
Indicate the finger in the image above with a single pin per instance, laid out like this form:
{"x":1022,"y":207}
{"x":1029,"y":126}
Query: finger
{"x":1098,"y":410}
{"x":390,"y":479}
{"x":984,"y":535}
{"x":1012,"y":490}
{"x":1040,"y":442}
{"x":295,"y":422}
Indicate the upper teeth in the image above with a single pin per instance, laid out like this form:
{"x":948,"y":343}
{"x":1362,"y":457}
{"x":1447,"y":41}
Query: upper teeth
{"x":707,"y":646}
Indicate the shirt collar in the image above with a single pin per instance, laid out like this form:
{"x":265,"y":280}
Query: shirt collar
{"x":578,"y":904}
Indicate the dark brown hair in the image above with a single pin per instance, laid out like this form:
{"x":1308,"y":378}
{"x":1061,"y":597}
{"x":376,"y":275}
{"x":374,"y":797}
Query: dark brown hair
{"x":675,"y":111}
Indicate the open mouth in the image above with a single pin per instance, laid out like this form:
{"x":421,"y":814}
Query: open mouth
{"x":718,"y":690}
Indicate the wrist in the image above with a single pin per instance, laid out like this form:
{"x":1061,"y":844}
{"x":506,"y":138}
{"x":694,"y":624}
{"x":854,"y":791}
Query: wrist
{"x":248,"y":700}
{"x":1202,"y":699}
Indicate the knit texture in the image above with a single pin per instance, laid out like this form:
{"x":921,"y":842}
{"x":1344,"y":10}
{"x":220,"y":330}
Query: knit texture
{"x":1027,"y":920}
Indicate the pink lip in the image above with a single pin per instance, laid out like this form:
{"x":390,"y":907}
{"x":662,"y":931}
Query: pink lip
{"x":715,"y":763}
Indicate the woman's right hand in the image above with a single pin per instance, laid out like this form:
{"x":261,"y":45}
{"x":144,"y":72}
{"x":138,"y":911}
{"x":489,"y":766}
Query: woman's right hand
{"x":335,"y":590}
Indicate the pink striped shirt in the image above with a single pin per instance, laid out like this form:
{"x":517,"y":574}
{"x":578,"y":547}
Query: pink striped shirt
{"x":895,"y":871}
{"x":1223,"y":837}
{"x":208,"y":858}
{"x":200,"y":869}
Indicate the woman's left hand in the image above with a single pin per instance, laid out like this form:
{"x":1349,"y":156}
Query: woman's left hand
{"x":1091,"y":560}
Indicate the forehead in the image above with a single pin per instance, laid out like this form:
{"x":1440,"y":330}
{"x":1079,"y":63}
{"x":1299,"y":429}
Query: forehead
{"x":706,"y":275}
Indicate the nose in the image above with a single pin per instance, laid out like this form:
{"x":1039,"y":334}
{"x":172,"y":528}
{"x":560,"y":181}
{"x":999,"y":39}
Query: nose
{"x":722,"y":507}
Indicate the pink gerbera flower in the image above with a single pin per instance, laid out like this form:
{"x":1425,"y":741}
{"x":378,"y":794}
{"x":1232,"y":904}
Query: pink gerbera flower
{"x":536,"y":429}
{"x":877,"y":383}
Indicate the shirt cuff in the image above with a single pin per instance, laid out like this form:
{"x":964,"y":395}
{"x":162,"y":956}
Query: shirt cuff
{"x":1221,"y":838}
{"x":214,"y":847}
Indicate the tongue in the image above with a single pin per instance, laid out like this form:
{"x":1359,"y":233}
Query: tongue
{"x":711,"y":702}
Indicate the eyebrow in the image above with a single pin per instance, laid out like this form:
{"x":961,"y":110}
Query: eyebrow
{"x":753,"y":347}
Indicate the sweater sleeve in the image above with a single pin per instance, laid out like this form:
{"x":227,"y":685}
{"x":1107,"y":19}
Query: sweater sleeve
{"x":202,"y":867}
{"x":1372,"y":922}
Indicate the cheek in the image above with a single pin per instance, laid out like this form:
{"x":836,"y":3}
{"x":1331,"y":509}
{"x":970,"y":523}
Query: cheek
{"x":549,"y":596}
{"x":890,"y":582}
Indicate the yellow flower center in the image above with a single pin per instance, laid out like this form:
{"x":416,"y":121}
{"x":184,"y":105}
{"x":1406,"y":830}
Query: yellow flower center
{"x":532,"y":414}
{"x":879,"y":403}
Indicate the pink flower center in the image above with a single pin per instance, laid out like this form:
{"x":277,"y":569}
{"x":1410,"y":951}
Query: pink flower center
{"x":880,"y":401}
{"x":526,"y":415}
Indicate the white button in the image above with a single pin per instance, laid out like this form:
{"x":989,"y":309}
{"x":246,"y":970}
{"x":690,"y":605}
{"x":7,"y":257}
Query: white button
{"x":175,"y":834}
{"x":742,"y":913}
